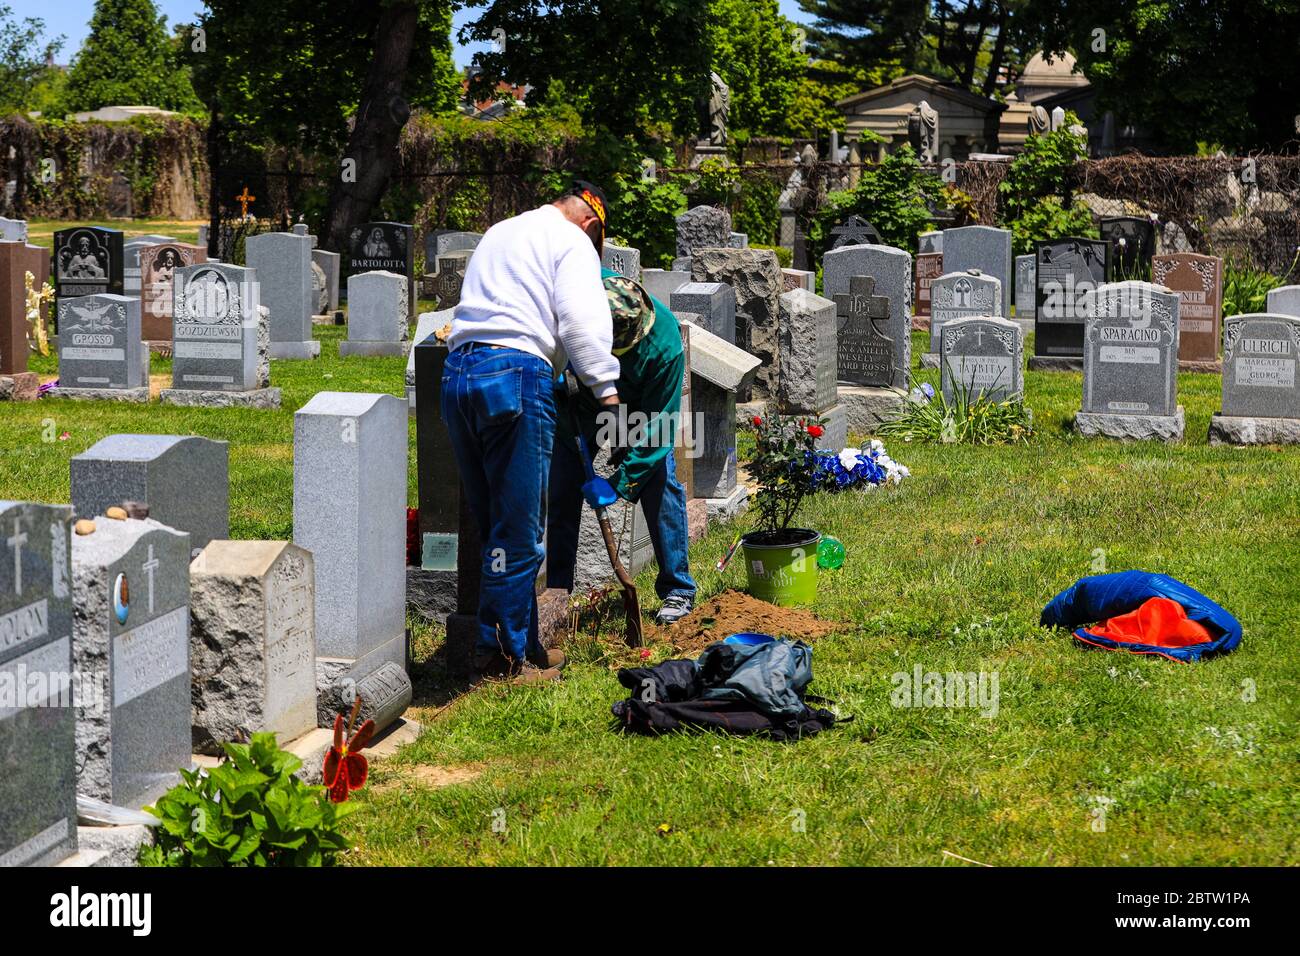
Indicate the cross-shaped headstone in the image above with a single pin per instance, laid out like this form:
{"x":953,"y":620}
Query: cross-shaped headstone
{"x":244,"y":199}
{"x":855,"y":231}
{"x":866,"y":353}
{"x":149,"y":567}
{"x":16,"y":542}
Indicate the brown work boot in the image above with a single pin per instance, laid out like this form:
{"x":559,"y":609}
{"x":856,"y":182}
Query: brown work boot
{"x":548,"y":657}
{"x":488,"y":664}
{"x":526,"y":672}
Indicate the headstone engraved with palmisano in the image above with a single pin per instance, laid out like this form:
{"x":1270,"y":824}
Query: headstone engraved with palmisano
{"x":961,"y":295}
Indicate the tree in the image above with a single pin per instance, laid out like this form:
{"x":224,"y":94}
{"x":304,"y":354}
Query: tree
{"x":761,"y":57}
{"x":23,"y":59}
{"x":128,"y":58}
{"x":630,"y":66}
{"x":1188,"y":71}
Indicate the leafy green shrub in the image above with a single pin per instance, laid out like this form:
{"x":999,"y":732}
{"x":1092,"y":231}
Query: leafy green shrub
{"x":783,"y":467}
{"x":1036,"y":201}
{"x":784,"y":255}
{"x":930,"y":419}
{"x":644,"y":215}
{"x":896,"y":196}
{"x":757,"y":211}
{"x":1246,"y":290}
{"x":249,"y":811}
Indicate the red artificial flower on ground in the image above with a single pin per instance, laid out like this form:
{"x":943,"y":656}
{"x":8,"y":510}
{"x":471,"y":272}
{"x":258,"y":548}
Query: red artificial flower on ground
{"x":816,"y":431}
{"x":758,"y":422}
{"x":345,"y":769}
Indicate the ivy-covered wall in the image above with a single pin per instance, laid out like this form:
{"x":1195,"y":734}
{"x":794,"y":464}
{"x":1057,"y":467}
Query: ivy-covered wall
{"x":154,"y":167}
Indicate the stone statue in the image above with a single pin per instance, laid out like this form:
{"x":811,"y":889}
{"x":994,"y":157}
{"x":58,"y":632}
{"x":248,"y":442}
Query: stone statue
{"x":923,"y":133}
{"x":719,"y":108}
{"x":1039,"y":121}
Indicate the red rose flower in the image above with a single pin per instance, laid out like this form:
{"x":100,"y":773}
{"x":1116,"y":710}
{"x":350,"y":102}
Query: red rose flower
{"x":816,"y":431}
{"x":758,"y":422}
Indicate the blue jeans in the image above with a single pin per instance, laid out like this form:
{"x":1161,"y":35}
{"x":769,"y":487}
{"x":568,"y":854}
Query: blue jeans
{"x":500,"y":413}
{"x":663,"y":500}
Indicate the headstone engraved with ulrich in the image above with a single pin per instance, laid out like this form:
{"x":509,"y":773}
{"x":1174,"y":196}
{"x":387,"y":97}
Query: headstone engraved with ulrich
{"x":38,"y":788}
{"x":1130,"y":366}
{"x":1067,"y":274}
{"x":1198,"y":280}
{"x":1261,"y":390}
{"x":131,"y":588}
{"x":100,"y":355}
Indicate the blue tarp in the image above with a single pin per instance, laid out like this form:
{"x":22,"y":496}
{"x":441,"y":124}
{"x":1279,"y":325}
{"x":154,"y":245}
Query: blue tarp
{"x":1099,"y":597}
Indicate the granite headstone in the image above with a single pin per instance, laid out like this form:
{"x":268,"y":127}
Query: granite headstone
{"x":982,"y":357}
{"x":1198,"y":280}
{"x":99,"y":344}
{"x":891,"y":270}
{"x":986,"y":248}
{"x":158,"y":265}
{"x":282,"y":261}
{"x":713,"y":302}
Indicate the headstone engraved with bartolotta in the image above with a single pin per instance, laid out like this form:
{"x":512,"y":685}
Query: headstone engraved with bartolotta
{"x":99,"y":349}
{"x":216,"y":325}
{"x":865,"y":353}
{"x":38,"y":785}
{"x":1130,"y":366}
{"x":982,"y":357}
{"x":959,"y":295}
{"x":1261,"y":390}
{"x":1198,"y":280}
{"x":1067,"y":274}
{"x":386,"y":247}
{"x":158,"y":265}
{"x":131,"y":588}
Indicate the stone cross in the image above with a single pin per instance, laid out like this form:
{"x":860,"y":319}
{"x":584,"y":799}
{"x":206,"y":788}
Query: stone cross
{"x":16,"y":542}
{"x":865,"y":351}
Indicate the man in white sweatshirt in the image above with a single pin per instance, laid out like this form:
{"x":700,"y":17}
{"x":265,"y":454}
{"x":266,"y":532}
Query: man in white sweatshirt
{"x":531,"y":301}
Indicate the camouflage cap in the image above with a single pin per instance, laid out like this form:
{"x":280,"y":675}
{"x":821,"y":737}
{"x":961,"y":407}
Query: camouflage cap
{"x":632,"y":311}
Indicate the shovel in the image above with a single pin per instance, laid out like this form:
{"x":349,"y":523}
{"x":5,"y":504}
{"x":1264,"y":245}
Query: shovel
{"x":595,"y":490}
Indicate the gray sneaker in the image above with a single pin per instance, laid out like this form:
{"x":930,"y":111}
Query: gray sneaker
{"x":675,"y":607}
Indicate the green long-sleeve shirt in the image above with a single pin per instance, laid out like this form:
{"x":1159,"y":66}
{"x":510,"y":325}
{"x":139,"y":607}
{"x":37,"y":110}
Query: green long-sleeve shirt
{"x":649,"y":385}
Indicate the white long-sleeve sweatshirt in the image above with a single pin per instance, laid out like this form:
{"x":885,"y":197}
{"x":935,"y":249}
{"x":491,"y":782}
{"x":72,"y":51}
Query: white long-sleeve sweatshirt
{"x":534,"y":284}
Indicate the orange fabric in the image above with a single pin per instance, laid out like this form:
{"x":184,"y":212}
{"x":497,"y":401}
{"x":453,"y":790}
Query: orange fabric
{"x":1160,"y":622}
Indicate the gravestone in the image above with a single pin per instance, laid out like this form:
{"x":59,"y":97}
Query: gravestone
{"x":855,"y":231}
{"x":1284,"y":300}
{"x":713,"y":302}
{"x":384,"y":247}
{"x":799,"y":279}
{"x":982,"y":357}
{"x":38,"y":788}
{"x":99,"y":349}
{"x":738,"y":240}
{"x":702,"y":227}
{"x":1132,"y":245}
{"x":450,"y":279}
{"x":158,"y":265}
{"x":1067,"y":274}
{"x":1130,"y":364}
{"x":252,"y":642}
{"x":131,"y":590}
{"x":719,"y":371}
{"x":349,"y":511}
{"x":13,"y":230}
{"x":1025,"y":293}
{"x":1261,"y":390}
{"x":218,"y":333}
{"x":443,"y":242}
{"x":959,"y":295}
{"x":892,"y":271}
{"x":282,"y":261}
{"x":624,"y":260}
{"x":809,"y":357}
{"x":328,"y":263}
{"x":427,"y":324}
{"x":662,"y":283}
{"x":929,"y":266}
{"x":88,"y":261}
{"x":985,"y":248}
{"x":1198,"y":280}
{"x":755,"y":276}
{"x":16,"y":260}
{"x":865,"y":351}
{"x":377,"y":315}
{"x":448,"y":571}
{"x":182,"y":479}
{"x":131,"y":269}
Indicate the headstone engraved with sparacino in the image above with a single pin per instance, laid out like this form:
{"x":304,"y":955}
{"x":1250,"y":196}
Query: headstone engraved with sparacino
{"x":99,"y":349}
{"x":985,"y":248}
{"x":158,"y":265}
{"x":982,"y":357}
{"x":1067,"y":274}
{"x":1261,"y":390}
{"x":865,"y":351}
{"x":1198,"y":280}
{"x":38,"y":788}
{"x":282,"y":261}
{"x":386,"y":247}
{"x":131,"y":588}
{"x":959,"y":295}
{"x":1130,"y":367}
{"x":88,"y":260}
{"x":377,"y":315}
{"x":215,"y":339}
{"x":183,"y":480}
{"x":891,"y":270}
{"x":253,"y":642}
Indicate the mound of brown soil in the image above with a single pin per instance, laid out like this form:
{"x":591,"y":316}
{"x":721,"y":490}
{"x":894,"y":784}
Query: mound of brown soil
{"x":733,"y":612}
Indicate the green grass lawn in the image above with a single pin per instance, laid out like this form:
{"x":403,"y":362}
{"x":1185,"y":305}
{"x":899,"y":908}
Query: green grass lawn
{"x":40,"y":232}
{"x":950,"y":571}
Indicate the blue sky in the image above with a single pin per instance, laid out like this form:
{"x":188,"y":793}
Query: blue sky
{"x":72,"y":17}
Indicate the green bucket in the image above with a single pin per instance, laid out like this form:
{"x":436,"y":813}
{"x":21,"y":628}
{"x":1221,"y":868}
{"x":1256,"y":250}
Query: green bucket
{"x":784,"y":574}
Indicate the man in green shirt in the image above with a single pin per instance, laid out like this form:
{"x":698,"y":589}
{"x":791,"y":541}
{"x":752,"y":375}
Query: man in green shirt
{"x":648,"y":345}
